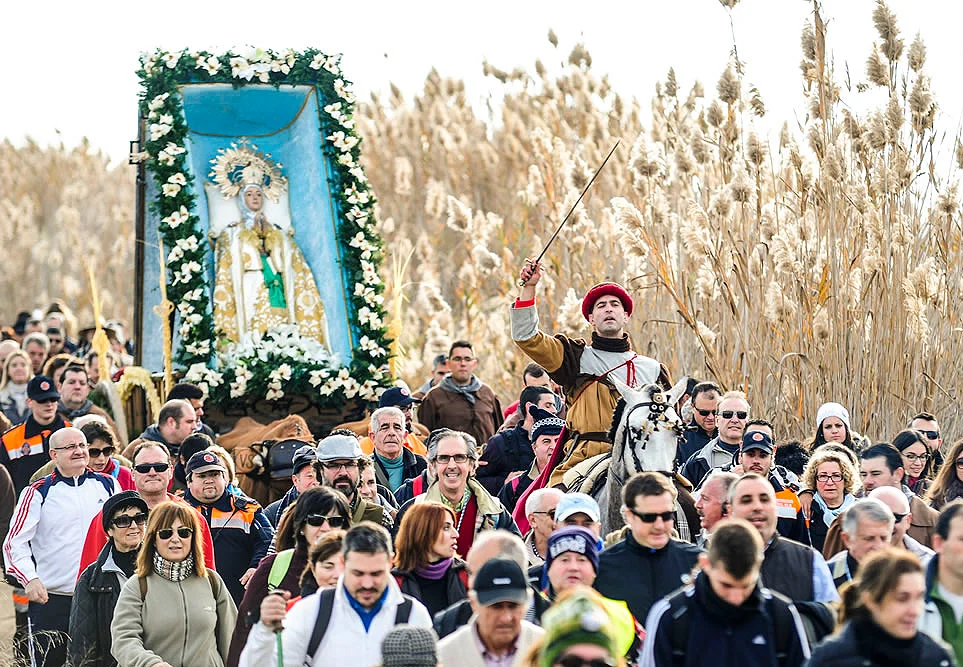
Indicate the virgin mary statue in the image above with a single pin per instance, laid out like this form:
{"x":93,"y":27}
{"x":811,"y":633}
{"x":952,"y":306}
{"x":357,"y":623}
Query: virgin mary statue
{"x":262,"y":280}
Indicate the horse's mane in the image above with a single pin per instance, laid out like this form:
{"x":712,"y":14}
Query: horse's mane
{"x":616,"y":420}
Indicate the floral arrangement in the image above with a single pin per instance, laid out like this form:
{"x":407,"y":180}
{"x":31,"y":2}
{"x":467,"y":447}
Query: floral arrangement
{"x":280,"y":362}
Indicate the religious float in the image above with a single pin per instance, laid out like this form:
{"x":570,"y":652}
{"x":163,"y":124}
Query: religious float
{"x":257,"y":252}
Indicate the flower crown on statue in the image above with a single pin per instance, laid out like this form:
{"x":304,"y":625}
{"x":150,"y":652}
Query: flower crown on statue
{"x":242,"y":165}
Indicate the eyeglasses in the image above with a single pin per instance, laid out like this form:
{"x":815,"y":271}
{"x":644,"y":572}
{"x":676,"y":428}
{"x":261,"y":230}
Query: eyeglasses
{"x":105,"y":451}
{"x":550,"y":514}
{"x":900,"y":517}
{"x":445,"y":459}
{"x":144,"y":468}
{"x":728,"y":414}
{"x":168,"y":533}
{"x":916,"y":457}
{"x":71,"y":448}
{"x":706,"y":413}
{"x":571,"y":660}
{"x":650,"y":517}
{"x":124,"y":520}
{"x":317,"y":520}
{"x":336,"y":465}
{"x":829,"y":477}
{"x":932,"y":435}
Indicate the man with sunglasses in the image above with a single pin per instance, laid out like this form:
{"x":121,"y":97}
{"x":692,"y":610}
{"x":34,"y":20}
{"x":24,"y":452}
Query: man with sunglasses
{"x":658,"y":564}
{"x":152,"y":472}
{"x":702,"y":429}
{"x":719,"y":452}
{"x":241,"y":532}
{"x":338,"y":465}
{"x":927,"y":424}
{"x":43,"y":547}
{"x":26,"y":447}
{"x":900,"y":507}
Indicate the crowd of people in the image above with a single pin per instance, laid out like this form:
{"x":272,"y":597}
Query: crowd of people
{"x":445,"y":533}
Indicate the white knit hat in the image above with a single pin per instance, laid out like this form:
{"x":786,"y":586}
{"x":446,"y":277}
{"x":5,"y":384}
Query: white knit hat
{"x":832,"y":410}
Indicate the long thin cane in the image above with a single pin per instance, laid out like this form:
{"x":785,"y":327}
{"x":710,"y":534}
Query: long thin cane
{"x":277,"y":638}
{"x":30,"y":645}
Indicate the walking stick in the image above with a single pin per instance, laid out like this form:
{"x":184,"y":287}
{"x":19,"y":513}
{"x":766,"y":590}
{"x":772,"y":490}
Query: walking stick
{"x":277,"y":638}
{"x":521,"y":283}
{"x":30,"y":645}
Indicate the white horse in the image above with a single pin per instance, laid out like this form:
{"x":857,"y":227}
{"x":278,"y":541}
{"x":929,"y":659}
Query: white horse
{"x":645,"y":436}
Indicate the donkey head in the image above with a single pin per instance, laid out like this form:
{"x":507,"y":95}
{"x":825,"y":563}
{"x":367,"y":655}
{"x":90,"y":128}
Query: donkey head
{"x":648,"y":434}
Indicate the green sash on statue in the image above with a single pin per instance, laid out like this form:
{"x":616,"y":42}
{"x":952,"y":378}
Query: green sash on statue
{"x":274,"y":284}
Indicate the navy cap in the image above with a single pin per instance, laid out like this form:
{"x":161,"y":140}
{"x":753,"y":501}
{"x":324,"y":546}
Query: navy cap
{"x":396,"y":397}
{"x":757,"y":440}
{"x":203,"y":462}
{"x":41,"y":388}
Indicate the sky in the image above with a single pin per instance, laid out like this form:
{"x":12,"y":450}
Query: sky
{"x":69,"y":67}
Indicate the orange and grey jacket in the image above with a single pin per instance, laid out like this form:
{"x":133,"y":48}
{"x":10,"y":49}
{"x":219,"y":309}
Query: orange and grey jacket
{"x":26,"y":449}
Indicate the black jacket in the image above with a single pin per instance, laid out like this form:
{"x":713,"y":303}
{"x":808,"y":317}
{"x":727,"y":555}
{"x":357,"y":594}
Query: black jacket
{"x":862,"y":642}
{"x":640,"y":575}
{"x":506,"y":452}
{"x":787,"y":568}
{"x":91,"y":612}
{"x":456,"y":590}
{"x":695,"y":439}
{"x":722,"y":635}
{"x":412,"y":466}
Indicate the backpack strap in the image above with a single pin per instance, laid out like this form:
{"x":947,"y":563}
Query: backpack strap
{"x":681,"y":623}
{"x":463,"y":575}
{"x":417,"y":486}
{"x":403,"y":613}
{"x":279,"y":568}
{"x":325,"y":607}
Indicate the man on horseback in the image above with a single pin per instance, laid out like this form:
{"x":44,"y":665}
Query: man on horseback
{"x":583,"y":368}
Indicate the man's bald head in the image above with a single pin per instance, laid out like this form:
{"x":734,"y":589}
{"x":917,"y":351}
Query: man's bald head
{"x":896,"y":500}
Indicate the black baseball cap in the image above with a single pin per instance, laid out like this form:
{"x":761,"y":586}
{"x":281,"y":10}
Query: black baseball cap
{"x":501,"y":580}
{"x":396,"y":397}
{"x":41,"y":388}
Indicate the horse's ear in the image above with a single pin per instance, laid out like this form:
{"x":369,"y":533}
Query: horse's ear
{"x":678,"y":389}
{"x":630,"y":395}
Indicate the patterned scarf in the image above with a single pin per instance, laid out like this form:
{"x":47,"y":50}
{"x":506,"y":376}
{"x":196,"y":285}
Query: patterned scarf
{"x":174,"y":571}
{"x":467,"y":390}
{"x":829,"y":515}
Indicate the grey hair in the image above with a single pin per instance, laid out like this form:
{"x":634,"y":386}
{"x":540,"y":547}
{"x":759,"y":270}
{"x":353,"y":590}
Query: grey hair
{"x":510,"y":545}
{"x":388,"y":410}
{"x":725,"y":480}
{"x":867,"y":509}
{"x":534,"y":502}
{"x":36,"y":337}
{"x":471,"y":446}
{"x":61,"y":434}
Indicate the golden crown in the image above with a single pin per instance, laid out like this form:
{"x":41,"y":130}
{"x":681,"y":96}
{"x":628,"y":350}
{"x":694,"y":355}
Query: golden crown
{"x":241,"y":165}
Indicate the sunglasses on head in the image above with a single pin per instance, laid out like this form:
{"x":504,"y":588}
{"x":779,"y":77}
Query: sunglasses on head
{"x":650,"y":517}
{"x":124,"y":520}
{"x":578,"y":661}
{"x":728,"y":414}
{"x":167,"y":533}
{"x":144,"y":468}
{"x":104,"y":451}
{"x":706,"y":413}
{"x":317,"y":520}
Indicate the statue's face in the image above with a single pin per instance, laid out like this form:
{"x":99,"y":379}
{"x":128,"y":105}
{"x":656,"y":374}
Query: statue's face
{"x":254,"y":199}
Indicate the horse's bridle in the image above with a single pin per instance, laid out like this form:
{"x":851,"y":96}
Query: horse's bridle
{"x":657,"y":408}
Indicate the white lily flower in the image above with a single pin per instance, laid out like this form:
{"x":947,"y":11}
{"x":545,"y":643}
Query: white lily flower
{"x":158,"y":130}
{"x":170,"y":59}
{"x":170,"y":190}
{"x":177,"y":179}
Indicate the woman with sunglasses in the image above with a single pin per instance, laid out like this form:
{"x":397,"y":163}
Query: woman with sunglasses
{"x":315,"y":513}
{"x":426,"y":565}
{"x":173,"y":611}
{"x":833,"y":481}
{"x":123,"y":517}
{"x":878,"y":619}
{"x":948,"y":484}
{"x":102,"y":449}
{"x":913,"y":446}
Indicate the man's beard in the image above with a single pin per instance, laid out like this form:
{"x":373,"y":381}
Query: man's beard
{"x":345,"y":485}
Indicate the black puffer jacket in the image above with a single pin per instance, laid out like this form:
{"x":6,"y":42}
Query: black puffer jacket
{"x":863,"y":643}
{"x":92,"y":611}
{"x":640,"y":575}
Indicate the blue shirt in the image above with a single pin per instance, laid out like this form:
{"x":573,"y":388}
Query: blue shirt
{"x":367,"y":615}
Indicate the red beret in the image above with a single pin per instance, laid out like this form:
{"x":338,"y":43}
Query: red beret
{"x":606,"y":289}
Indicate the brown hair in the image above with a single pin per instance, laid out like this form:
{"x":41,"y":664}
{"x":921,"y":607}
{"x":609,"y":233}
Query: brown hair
{"x":419,"y":530}
{"x":646,"y":484}
{"x":736,"y":546}
{"x":936,"y":496}
{"x":878,"y":575}
{"x":163,"y":516}
{"x":323,"y":549}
